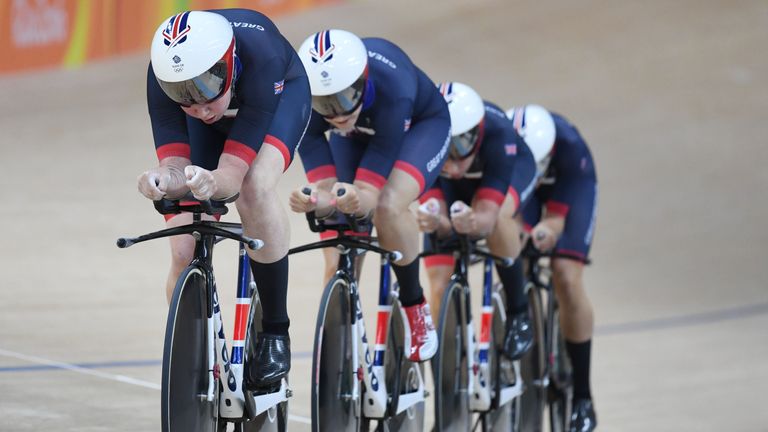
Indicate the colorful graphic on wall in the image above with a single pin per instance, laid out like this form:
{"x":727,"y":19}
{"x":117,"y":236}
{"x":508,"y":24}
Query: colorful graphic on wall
{"x":37,"y":34}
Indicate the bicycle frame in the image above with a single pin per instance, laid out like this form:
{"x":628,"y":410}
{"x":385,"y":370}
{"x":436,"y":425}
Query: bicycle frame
{"x":232,"y":401}
{"x":207,"y":234}
{"x":369,"y":364}
{"x":478,"y":367}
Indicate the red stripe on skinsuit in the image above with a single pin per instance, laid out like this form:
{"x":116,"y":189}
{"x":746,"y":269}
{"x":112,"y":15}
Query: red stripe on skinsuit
{"x":413,"y":172}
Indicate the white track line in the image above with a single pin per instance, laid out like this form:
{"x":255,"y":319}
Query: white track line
{"x":108,"y":376}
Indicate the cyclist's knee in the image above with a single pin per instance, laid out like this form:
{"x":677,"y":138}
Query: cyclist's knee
{"x":567,"y":278}
{"x":254,"y":194}
{"x":182,"y":251}
{"x":388,"y":207}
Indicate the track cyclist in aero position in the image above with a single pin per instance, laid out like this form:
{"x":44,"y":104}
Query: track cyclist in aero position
{"x":561,"y":216}
{"x":489,"y":174}
{"x":390,"y":129}
{"x":229,"y":100}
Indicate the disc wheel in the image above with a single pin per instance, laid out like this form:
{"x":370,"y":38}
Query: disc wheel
{"x":532,"y":369}
{"x":185,"y":374}
{"x":450,"y":365}
{"x":333,"y":377}
{"x":561,"y":385}
{"x":502,"y":375}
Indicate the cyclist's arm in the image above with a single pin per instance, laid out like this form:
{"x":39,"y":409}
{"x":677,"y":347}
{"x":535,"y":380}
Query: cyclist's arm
{"x":324,"y":196}
{"x":229,"y":175}
{"x":486,"y":212}
{"x":444,"y":227}
{"x":177,"y":181}
{"x":368,"y":195}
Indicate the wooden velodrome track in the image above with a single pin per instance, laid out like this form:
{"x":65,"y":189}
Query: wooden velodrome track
{"x":671,"y":97}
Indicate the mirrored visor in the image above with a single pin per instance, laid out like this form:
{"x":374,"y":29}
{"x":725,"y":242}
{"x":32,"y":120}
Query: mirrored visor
{"x":463,"y":145}
{"x":342,"y":103}
{"x":202,"y":89}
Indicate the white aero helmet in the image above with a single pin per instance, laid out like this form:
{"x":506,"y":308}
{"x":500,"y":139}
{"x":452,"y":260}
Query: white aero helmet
{"x":535,"y":124}
{"x":336,"y":62}
{"x":467,"y":111}
{"x":193,"y":57}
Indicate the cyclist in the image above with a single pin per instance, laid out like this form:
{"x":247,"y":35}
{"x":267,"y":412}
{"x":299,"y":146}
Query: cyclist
{"x":390,"y":129}
{"x":561,"y":216}
{"x":489,"y":172}
{"x":228,"y":106}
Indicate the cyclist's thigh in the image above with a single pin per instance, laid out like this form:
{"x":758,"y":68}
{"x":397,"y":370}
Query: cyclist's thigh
{"x":531,"y":212}
{"x":424,"y":149}
{"x":347,"y":153}
{"x":290,"y":119}
{"x":523,"y":179}
{"x":576,"y":239}
{"x":206,"y":143}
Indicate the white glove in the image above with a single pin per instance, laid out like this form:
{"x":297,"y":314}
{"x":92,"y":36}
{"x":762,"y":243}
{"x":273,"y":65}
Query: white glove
{"x":200,"y":181}
{"x":429,"y":215}
{"x":462,"y":218}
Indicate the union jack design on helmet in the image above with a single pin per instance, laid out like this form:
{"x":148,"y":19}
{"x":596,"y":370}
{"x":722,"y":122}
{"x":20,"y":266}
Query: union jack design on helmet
{"x":323,"y":49}
{"x":176,"y":31}
{"x":446,"y":89}
{"x":518,"y":118}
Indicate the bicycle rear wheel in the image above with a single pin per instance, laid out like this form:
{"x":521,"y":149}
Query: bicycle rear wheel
{"x":450,"y":364}
{"x":333,"y":406}
{"x":275,"y":419}
{"x":186,"y":379}
{"x":402,"y":377}
{"x":561,"y":385}
{"x":533,"y":368}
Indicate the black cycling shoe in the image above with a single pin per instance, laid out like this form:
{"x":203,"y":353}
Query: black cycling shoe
{"x":519,"y":337}
{"x":583,"y":417}
{"x":269,"y":364}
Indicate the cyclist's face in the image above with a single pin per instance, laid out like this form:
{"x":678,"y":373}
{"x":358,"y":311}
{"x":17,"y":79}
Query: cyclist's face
{"x":456,"y":168}
{"x":347,"y":122}
{"x":210,"y":112}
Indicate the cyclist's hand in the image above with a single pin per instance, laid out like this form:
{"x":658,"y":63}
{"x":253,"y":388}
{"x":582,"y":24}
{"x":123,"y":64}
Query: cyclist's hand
{"x":429,"y":215}
{"x":543,"y":237}
{"x":153,"y":183}
{"x":301,"y":202}
{"x":200,"y":181}
{"x":463,"y":218}
{"x":349,"y":201}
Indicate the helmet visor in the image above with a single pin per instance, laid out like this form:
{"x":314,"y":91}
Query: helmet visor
{"x":202,"y":89}
{"x":206,"y":87}
{"x":342,"y":103}
{"x":463,"y":145}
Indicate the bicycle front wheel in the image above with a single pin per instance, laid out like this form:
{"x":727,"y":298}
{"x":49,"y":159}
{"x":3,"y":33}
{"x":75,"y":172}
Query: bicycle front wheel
{"x":186,"y":380}
{"x":335,"y":406}
{"x":450,"y":365}
{"x":504,"y":413}
{"x":403,"y":377}
{"x":533,"y":368}
{"x":561,"y":385}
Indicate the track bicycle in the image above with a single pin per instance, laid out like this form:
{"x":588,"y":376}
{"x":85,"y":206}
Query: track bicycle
{"x":354,"y":387}
{"x":202,"y":385}
{"x":476,"y":386}
{"x":546,"y":369}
